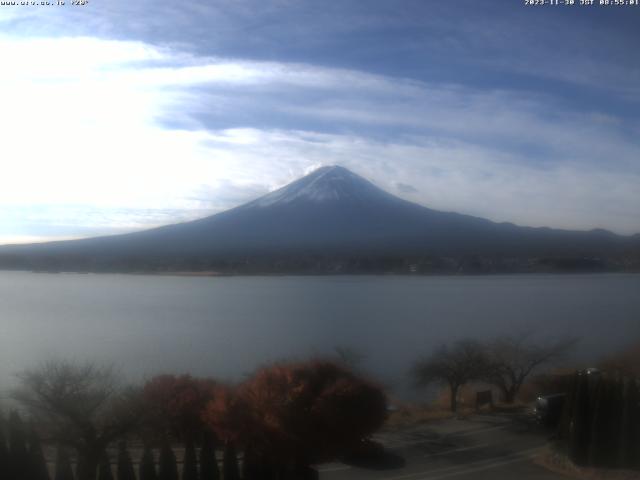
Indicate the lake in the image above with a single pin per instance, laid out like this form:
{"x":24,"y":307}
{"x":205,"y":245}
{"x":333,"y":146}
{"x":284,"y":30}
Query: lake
{"x":227,"y":326}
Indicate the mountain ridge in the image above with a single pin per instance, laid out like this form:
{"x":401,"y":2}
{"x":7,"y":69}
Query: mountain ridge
{"x":331,"y":213}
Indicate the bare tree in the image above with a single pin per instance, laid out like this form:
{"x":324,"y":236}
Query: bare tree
{"x":513,"y":359}
{"x":454,"y":366}
{"x":81,"y":406}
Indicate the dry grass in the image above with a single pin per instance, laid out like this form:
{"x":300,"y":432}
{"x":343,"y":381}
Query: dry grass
{"x":408,"y":415}
{"x":559,"y":463}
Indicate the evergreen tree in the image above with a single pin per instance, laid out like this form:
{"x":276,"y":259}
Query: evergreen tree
{"x":208,"y":462}
{"x":63,"y":466}
{"x":615,"y":429}
{"x":104,"y":468}
{"x":254,"y":466}
{"x":600,"y":419}
{"x":190,"y":464}
{"x":4,"y":455}
{"x":88,"y":462}
{"x":623,"y":458}
{"x":578,"y":441}
{"x":18,"y":453}
{"x":564,"y":428}
{"x":147,"y":469}
{"x":37,"y":462}
{"x":230,"y":463}
{"x":601,"y":422}
{"x":633,"y":425}
{"x":250,"y":467}
{"x":607,"y":424}
{"x":125,"y":465}
{"x":168,"y":466}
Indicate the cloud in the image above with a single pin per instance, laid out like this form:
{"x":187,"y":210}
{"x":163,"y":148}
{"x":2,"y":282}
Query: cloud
{"x":453,"y":176}
{"x":406,"y":188}
{"x":122,"y":135}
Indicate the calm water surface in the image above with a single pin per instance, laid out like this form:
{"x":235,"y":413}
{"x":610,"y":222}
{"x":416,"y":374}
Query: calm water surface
{"x":228,"y":326}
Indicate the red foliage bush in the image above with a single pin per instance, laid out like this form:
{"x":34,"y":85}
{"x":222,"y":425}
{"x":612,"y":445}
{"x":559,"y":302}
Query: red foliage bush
{"x":228,"y":416}
{"x":305,"y":412}
{"x":625,"y":362}
{"x":176,"y":403}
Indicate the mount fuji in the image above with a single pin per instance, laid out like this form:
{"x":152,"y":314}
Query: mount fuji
{"x":331,"y":213}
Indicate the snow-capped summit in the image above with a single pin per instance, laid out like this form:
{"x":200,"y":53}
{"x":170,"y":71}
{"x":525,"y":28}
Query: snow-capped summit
{"x":326,"y":184}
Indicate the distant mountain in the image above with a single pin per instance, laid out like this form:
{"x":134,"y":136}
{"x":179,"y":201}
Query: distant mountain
{"x":332,"y":217}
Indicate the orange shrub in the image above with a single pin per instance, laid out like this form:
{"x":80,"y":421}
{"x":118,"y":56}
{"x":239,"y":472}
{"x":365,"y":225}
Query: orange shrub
{"x":229,"y":416}
{"x":309,"y":412}
{"x":176,"y":403}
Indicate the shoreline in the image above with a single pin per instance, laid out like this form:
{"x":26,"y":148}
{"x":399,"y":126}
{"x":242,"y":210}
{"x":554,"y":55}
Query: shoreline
{"x":214,"y":273}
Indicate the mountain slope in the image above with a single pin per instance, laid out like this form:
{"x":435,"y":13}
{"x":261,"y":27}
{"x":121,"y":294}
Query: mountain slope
{"x":333,"y":212}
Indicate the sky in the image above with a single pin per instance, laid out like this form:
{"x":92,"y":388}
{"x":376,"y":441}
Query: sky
{"x":124,"y":115}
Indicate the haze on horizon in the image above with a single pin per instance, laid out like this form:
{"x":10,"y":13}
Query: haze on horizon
{"x":128,"y":115}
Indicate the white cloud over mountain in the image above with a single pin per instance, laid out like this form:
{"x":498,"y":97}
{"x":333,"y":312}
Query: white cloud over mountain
{"x":103,"y":135}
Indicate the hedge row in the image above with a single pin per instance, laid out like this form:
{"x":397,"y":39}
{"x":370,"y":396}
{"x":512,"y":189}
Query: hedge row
{"x":601,"y":421}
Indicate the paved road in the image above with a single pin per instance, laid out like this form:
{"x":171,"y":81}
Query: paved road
{"x":481,"y":447}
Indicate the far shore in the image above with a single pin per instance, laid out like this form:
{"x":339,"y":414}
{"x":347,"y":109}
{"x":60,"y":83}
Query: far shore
{"x":205,"y":273}
{"x":215,"y":273}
